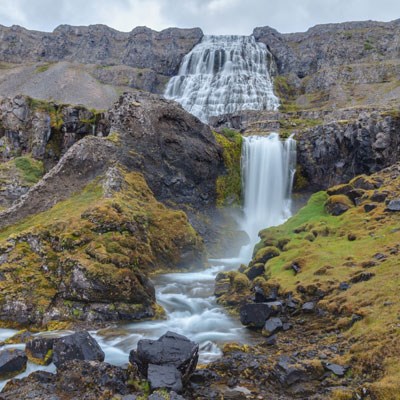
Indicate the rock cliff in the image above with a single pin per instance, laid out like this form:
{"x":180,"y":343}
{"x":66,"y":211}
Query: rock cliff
{"x":90,"y":231}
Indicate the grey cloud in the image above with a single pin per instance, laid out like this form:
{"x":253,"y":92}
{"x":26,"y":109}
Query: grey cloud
{"x":213,"y":16}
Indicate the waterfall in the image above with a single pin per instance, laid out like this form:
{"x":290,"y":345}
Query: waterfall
{"x":268,"y":167}
{"x":224,"y":74}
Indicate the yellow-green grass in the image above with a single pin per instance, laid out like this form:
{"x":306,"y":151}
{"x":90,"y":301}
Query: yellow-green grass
{"x":331,"y":250}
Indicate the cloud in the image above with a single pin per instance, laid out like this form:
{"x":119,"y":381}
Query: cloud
{"x":213,"y":16}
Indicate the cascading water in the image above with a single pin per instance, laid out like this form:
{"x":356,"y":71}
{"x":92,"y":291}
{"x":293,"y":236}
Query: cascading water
{"x":268,"y":167}
{"x":221,"y":75}
{"x":224,"y":74}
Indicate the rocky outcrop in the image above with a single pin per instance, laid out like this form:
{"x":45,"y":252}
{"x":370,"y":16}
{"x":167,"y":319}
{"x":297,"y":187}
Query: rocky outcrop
{"x":330,"y":45}
{"x":99,"y":44}
{"x":102,"y":229}
{"x":336,"y":152}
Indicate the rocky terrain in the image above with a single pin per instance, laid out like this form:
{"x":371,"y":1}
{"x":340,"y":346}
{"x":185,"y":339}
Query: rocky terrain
{"x":94,"y":225}
{"x":90,"y":65}
{"x":95,"y":198}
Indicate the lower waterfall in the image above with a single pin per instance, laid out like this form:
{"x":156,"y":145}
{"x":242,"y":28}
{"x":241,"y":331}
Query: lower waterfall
{"x":268,"y":167}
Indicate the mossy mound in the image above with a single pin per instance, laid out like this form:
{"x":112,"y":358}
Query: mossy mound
{"x":87,"y":258}
{"x":350,"y":268}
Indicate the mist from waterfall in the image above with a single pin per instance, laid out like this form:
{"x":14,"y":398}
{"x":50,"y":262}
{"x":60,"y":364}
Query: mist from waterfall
{"x":224,"y":74}
{"x":268,"y":167}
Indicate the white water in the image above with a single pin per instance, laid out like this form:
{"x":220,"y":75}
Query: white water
{"x":268,"y":167}
{"x":224,"y":74}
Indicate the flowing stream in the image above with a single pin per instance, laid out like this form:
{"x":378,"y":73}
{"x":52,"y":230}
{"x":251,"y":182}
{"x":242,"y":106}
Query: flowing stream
{"x":191,"y":310}
{"x":224,"y":74}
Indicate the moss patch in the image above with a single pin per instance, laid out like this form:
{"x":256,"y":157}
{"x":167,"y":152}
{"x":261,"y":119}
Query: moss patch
{"x":229,"y":186}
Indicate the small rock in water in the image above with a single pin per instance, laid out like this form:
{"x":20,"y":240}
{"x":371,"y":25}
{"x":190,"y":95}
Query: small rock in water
{"x":170,"y":349}
{"x":12,"y":362}
{"x":40,"y":350}
{"x":78,"y":346}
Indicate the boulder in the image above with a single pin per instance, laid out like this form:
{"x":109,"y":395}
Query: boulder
{"x":271,"y":326}
{"x":164,"y":376}
{"x":288,"y":371}
{"x":256,"y":270}
{"x":40,"y":350}
{"x":78,"y":346}
{"x":255,"y":315}
{"x":369,"y":207}
{"x":265,"y":254}
{"x":308,"y":307}
{"x":393,"y":205}
{"x":170,"y":349}
{"x":336,"y":369}
{"x":338,"y":204}
{"x":12,"y":362}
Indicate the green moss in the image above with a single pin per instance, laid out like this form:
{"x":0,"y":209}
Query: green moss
{"x":32,"y":170}
{"x":43,"y":68}
{"x":229,"y":186}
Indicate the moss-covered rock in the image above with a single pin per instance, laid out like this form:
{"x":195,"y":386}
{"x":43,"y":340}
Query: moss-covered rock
{"x":338,"y":204}
{"x":265,"y":254}
{"x":229,"y":185}
{"x":87,"y":258}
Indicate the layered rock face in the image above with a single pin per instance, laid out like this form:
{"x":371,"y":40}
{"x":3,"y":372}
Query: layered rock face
{"x":99,"y":44}
{"x":90,"y":64}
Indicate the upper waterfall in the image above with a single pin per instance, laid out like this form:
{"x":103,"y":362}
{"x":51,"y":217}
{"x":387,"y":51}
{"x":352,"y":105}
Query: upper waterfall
{"x":224,"y":74}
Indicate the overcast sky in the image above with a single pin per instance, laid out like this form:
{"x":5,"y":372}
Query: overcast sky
{"x":213,"y":16}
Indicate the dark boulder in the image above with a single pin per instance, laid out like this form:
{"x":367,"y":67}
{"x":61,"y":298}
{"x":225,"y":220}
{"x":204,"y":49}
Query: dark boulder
{"x":78,"y":346}
{"x":369,"y":207}
{"x":271,"y":326}
{"x":256,"y":270}
{"x":170,"y":349}
{"x":254,"y":315}
{"x":12,"y":362}
{"x":40,"y":350}
{"x":379,"y":197}
{"x":75,"y":379}
{"x":288,"y":371}
{"x":164,"y":376}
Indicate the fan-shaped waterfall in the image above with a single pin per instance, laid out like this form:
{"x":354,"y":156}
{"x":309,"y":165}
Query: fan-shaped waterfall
{"x":224,"y":74}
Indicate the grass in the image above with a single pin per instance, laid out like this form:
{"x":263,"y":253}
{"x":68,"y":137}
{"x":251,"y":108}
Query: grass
{"x":32,"y":170}
{"x":331,"y":250}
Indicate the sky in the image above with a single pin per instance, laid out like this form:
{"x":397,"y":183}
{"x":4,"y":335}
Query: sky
{"x":213,"y":16}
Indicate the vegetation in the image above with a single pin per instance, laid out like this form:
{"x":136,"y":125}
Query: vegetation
{"x":229,"y":185}
{"x":31,"y":170}
{"x":110,"y":240}
{"x":359,"y":248}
